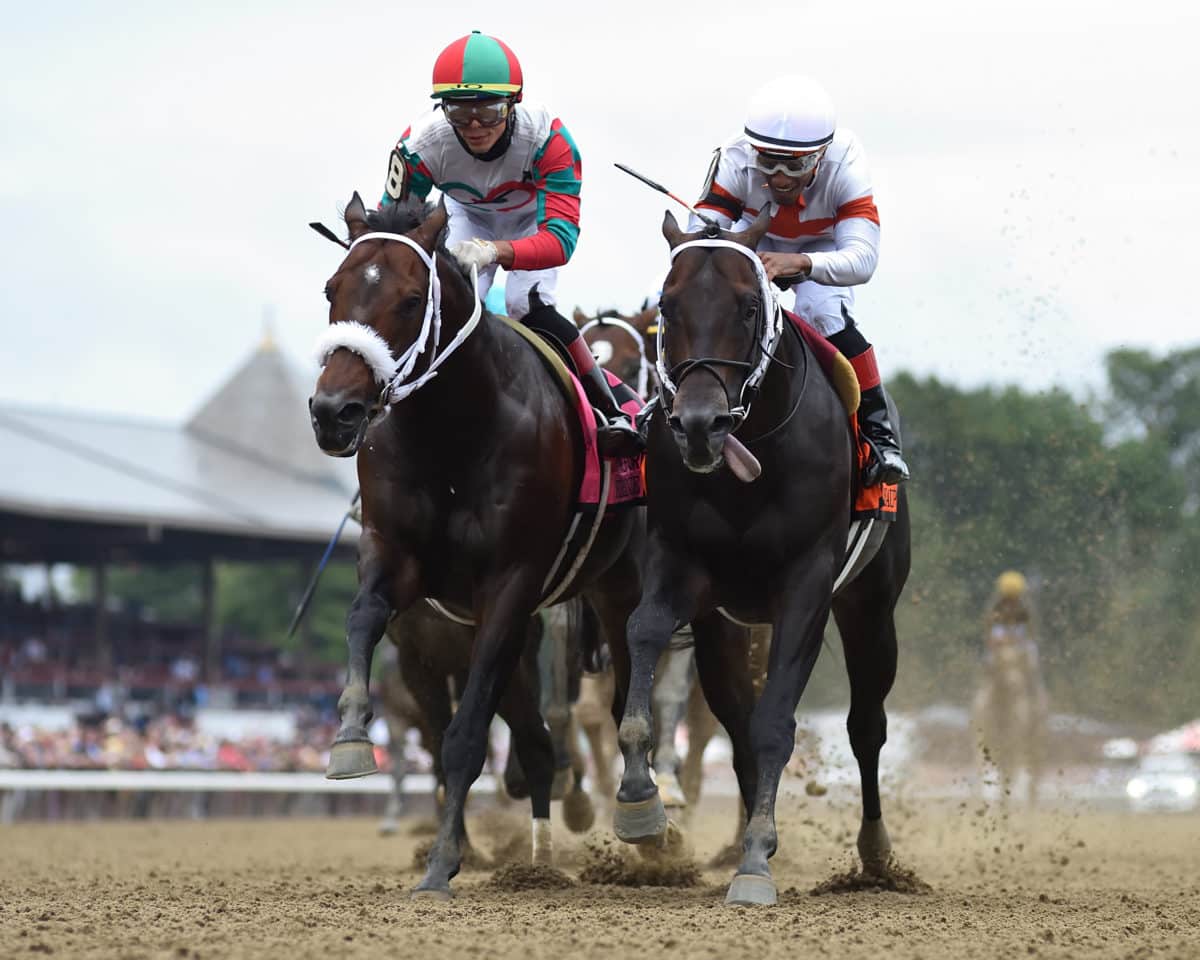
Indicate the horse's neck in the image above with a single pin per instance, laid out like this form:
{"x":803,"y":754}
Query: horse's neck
{"x":458,"y":403}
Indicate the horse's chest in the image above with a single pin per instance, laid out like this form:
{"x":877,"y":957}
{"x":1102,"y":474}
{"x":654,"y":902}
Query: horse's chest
{"x":729,"y":537}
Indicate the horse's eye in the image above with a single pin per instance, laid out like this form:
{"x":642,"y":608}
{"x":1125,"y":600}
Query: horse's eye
{"x":752,"y":310}
{"x":411,"y":304}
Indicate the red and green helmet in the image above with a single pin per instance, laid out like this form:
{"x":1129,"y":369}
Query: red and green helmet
{"x":477,"y":66}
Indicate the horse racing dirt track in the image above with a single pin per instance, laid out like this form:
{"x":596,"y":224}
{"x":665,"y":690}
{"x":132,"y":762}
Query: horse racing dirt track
{"x":1050,"y":885}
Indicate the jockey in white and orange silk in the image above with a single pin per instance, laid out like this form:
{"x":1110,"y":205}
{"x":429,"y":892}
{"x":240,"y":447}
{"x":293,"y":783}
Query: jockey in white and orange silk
{"x":510,"y":176}
{"x":823,"y":238}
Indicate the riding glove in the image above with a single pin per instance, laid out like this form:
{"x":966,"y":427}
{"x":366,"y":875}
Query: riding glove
{"x":475,"y":253}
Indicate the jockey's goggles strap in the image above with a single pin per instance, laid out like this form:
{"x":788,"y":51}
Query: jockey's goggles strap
{"x":770,"y":330}
{"x":794,"y":165}
{"x":394,"y":387}
{"x":488,"y":113}
{"x":629,"y":328}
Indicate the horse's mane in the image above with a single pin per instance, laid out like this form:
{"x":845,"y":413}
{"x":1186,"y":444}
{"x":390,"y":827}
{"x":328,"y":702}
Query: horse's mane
{"x":399,"y":217}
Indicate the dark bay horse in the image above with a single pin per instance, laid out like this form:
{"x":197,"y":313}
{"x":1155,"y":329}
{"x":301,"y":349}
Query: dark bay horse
{"x":766,"y":551}
{"x":469,"y":461}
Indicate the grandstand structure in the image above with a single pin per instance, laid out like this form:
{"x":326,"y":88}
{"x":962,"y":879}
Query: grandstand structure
{"x":240,"y":480}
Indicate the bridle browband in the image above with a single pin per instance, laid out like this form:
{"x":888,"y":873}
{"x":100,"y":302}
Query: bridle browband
{"x":390,"y":371}
{"x":629,"y":328}
{"x":769,"y":327}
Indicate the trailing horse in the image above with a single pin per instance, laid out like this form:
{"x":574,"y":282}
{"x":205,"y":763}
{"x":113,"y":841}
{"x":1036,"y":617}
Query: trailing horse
{"x":767,"y":551}
{"x":420,"y":686}
{"x":470,"y":458}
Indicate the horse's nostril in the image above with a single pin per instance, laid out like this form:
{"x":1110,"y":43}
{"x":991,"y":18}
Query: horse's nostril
{"x":722,"y":424}
{"x":351,"y":414}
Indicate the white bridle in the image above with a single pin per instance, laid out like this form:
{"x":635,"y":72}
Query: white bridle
{"x":770,"y":335}
{"x":393,"y":372}
{"x":629,"y":328}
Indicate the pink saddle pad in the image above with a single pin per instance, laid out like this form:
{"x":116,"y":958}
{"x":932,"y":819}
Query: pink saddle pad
{"x":627,"y":484}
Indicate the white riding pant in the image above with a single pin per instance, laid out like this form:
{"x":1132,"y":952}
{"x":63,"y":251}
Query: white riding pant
{"x":824,"y":307}
{"x":464,"y":225}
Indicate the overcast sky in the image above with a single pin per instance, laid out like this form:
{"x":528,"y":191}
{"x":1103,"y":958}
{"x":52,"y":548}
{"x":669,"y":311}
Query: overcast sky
{"x":1036,"y":168}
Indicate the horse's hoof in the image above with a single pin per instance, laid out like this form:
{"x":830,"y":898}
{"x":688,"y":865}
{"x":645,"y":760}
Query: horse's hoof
{"x":670,"y":792}
{"x":874,"y":847}
{"x":640,"y":822}
{"x":562,"y":783}
{"x":751,"y":890}
{"x":431,"y":893}
{"x":350,"y":759}
{"x":579,"y":813}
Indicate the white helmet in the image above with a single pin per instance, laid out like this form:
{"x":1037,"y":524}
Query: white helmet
{"x":791,"y":114}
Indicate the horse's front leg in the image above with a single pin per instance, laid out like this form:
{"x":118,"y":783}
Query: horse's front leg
{"x":383,"y":585}
{"x":671,"y":595}
{"x":804,"y":598}
{"x":503,"y":618}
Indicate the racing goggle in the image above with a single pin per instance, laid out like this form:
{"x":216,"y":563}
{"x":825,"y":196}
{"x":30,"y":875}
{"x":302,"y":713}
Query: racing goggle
{"x":488,"y":113}
{"x":792,"y":164}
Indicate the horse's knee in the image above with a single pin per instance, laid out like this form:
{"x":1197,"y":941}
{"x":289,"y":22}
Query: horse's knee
{"x":773,"y":737}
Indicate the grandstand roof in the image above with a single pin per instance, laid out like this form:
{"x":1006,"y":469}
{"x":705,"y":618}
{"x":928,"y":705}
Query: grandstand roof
{"x":245,"y":466}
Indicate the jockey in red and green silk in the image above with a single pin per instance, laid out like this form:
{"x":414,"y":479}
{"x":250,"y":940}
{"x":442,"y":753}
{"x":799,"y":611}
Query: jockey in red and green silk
{"x":823,"y":238}
{"x":510,"y":176}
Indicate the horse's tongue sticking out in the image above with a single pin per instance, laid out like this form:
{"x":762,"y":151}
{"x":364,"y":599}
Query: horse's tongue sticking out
{"x":742,"y":462}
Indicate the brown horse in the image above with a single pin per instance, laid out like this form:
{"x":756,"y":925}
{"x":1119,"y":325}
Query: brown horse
{"x":469,"y":460}
{"x":767,"y":551}
{"x":419,"y":688}
{"x":624,"y":345}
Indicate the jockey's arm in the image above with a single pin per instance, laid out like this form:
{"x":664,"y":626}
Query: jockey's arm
{"x":407,"y":174}
{"x":856,"y":236}
{"x":853,"y":261}
{"x":724,"y":188}
{"x":557,"y":175}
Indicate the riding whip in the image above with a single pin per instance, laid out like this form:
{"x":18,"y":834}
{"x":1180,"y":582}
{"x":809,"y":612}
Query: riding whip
{"x":661,"y":189}
{"x":329,"y":235}
{"x":302,"y":606}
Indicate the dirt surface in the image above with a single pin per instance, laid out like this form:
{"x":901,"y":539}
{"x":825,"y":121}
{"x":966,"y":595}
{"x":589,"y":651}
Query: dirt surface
{"x":1055,"y":884}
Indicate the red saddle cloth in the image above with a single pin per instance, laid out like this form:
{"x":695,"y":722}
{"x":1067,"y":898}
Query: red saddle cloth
{"x":878,"y":501}
{"x":627,"y":483}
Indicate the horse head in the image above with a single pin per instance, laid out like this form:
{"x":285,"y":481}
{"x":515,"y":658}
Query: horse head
{"x":714,"y":314}
{"x":619,"y":343}
{"x":385,"y":318}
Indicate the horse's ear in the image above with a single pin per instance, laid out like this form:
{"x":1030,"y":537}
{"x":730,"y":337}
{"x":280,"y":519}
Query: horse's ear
{"x":671,"y":231}
{"x":579,"y":317}
{"x":754,"y":233}
{"x":431,"y":228}
{"x":355,"y":217}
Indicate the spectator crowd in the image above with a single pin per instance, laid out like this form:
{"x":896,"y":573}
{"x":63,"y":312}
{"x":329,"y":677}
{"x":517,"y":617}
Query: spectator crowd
{"x":164,"y":742}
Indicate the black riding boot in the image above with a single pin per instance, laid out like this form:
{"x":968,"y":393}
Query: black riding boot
{"x":888,"y":465}
{"x":616,"y":436}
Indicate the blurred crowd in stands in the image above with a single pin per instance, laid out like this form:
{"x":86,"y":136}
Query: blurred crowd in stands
{"x":166,"y":742}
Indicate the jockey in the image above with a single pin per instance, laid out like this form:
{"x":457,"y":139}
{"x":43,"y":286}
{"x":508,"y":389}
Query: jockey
{"x":824,"y":234}
{"x":509,"y":174}
{"x":1010,"y":617}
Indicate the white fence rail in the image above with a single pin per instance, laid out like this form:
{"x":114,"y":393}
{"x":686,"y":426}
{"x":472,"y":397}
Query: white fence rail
{"x":208,"y":781}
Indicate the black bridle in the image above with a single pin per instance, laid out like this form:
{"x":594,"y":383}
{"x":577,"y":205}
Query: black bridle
{"x":767,"y":329}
